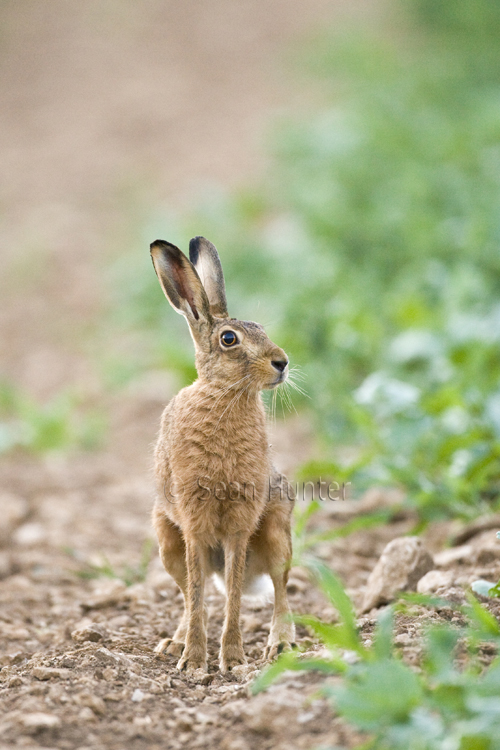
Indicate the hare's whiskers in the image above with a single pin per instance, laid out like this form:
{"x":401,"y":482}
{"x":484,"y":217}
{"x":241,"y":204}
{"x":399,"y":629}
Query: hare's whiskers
{"x":297,"y":372}
{"x":300,"y":390}
{"x":231,"y":403}
{"x":280,"y":393}
{"x":226,"y":390}
{"x":289,"y":395}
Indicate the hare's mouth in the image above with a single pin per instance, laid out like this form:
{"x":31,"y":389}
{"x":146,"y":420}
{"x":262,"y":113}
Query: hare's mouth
{"x":279,"y":380}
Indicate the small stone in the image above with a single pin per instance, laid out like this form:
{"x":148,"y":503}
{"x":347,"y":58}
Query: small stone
{"x":200,"y":677}
{"x":105,"y":656}
{"x":86,"y":714}
{"x":29,"y":534}
{"x":240,"y":671}
{"x":106,"y":594}
{"x":35,"y":722}
{"x":434,"y":580}
{"x":138,"y":696}
{"x":404,"y":639}
{"x":184,"y":723}
{"x":482,"y":587}
{"x":91,"y":633}
{"x":402,"y":564}
{"x":116,"y":697}
{"x":155,"y":688}
{"x":305,"y":716}
{"x":350,"y":657}
{"x":142,"y":721}
{"x":10,"y":660}
{"x":17,"y":634}
{"x":202,"y":718}
{"x":94,"y":702}
{"x":46,"y":673}
{"x":452,"y":555}
{"x":15,"y":681}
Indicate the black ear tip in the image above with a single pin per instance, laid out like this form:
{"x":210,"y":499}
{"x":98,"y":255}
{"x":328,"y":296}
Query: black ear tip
{"x":194,"y":249}
{"x":157,"y":243}
{"x":166,"y":247}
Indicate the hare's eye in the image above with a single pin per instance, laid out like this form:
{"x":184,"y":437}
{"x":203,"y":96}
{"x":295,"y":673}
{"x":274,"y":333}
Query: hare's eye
{"x":229,"y":338}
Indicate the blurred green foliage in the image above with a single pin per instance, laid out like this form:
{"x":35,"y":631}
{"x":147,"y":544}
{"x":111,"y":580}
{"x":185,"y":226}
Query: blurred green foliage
{"x":371,"y":252}
{"x":129,"y":573}
{"x":57,"y":425}
{"x":450,"y":703}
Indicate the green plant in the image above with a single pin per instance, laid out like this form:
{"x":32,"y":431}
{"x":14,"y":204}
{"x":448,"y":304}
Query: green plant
{"x":129,"y":574}
{"x":304,"y":539}
{"x":61,"y":423}
{"x":450,"y":703}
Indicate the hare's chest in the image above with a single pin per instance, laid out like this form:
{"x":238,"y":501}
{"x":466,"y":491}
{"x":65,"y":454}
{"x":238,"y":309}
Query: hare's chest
{"x":227,"y":467}
{"x":221,"y":482}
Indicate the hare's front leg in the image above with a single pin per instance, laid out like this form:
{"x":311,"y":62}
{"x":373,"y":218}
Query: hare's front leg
{"x":195,"y":651}
{"x":231,"y":652}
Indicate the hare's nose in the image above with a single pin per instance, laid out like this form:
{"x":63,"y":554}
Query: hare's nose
{"x":279,"y":364}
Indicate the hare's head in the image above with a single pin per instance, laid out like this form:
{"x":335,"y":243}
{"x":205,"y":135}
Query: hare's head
{"x":227,"y":350}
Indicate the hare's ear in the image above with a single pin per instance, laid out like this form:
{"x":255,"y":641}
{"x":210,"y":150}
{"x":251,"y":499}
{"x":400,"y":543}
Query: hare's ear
{"x":181,"y":284}
{"x":205,"y":259}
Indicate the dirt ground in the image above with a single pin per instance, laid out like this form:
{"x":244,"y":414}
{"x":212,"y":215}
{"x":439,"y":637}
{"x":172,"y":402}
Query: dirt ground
{"x":78,"y":668}
{"x":106,"y":108}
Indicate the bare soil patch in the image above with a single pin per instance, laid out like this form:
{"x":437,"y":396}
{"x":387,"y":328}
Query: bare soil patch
{"x":78,"y":668}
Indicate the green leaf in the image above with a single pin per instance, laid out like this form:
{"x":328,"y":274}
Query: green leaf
{"x":331,"y":586}
{"x":336,"y":636}
{"x":441,"y":642}
{"x":366,"y":521}
{"x":484,"y":622}
{"x":292,"y":661}
{"x":383,"y":638}
{"x":385,"y":692}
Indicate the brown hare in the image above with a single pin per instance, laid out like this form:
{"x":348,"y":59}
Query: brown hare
{"x":221,"y":507}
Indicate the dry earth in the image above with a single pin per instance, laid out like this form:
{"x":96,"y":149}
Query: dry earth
{"x":77,"y":662}
{"x":107,"y":108}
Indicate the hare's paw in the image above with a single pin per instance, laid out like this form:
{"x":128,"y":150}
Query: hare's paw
{"x":192,"y":660}
{"x":170,"y":646}
{"x":277,"y":645}
{"x":281,"y":638}
{"x":231,"y":657}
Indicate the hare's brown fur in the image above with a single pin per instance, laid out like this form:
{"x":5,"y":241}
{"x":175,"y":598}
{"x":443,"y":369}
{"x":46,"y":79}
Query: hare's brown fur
{"x":221,"y":507}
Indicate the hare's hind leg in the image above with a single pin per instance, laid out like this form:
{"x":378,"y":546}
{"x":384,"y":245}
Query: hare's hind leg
{"x":271,"y":552}
{"x":231,"y":651}
{"x":173,"y":557}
